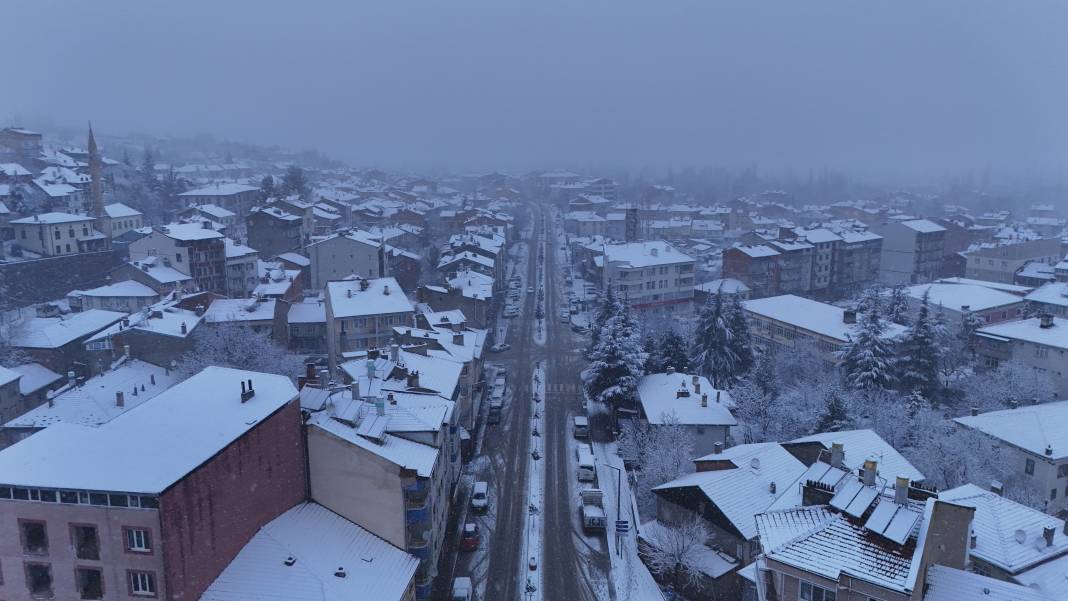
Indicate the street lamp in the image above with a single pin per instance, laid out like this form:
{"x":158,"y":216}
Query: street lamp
{"x":619,"y":486}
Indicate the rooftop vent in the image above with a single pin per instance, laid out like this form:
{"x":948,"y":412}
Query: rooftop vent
{"x":290,"y":560}
{"x":1045,"y":321}
{"x":1047,"y":533}
{"x":849,"y":316}
{"x":340,"y":572}
{"x":246,"y":393}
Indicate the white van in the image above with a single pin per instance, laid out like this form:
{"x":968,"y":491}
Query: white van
{"x":581,"y":427}
{"x":461,"y":589}
{"x":587,"y":464}
{"x":480,"y":497}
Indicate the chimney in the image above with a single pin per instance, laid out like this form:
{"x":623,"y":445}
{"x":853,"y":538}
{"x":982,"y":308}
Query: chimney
{"x":1047,"y":533}
{"x":901,"y":490}
{"x":185,"y":329}
{"x":135,"y":390}
{"x":718,"y":448}
{"x":458,"y":339}
{"x":717,"y":396}
{"x":849,"y":316}
{"x":71,"y":381}
{"x":309,"y":371}
{"x":340,"y":573}
{"x":1045,"y":321}
{"x":385,"y":290}
{"x":682,"y":392}
{"x":837,"y":454}
{"x":247,"y":393}
{"x":394,"y":353}
{"x":704,"y":399}
{"x":413,"y":379}
{"x":997,"y":487}
{"x":670,"y":370}
{"x":973,"y":540}
{"x":348,"y":293}
{"x":120,"y":401}
{"x":391,"y":399}
{"x":965,"y":308}
{"x":975,"y":411}
{"x":364,"y":284}
{"x":654,"y":251}
{"x":355,"y":388}
{"x":771,"y":487}
{"x":1049,"y":450}
{"x":696,"y":385}
{"x":868,"y":472}
{"x":152,"y":379}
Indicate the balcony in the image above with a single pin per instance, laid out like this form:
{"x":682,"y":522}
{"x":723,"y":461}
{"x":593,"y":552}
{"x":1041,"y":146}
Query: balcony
{"x":419,"y":546}
{"x":417,"y":513}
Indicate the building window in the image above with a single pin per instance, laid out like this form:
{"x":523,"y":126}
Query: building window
{"x":34,"y":537}
{"x":178,"y":257}
{"x":58,"y":249}
{"x":70,"y":232}
{"x":143,"y":584}
{"x":23,"y":234}
{"x":59,"y":235}
{"x":1062,"y":470}
{"x":1052,"y":494}
{"x":90,"y":583}
{"x":86,"y":543}
{"x":811,"y":592}
{"x":137,"y":540}
{"x":39,"y":580}
{"x":1029,"y":467}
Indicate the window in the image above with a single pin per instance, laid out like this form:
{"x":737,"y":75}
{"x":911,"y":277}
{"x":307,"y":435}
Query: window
{"x":59,"y":235}
{"x":178,"y":257}
{"x":39,"y":580}
{"x":23,"y":234}
{"x":137,"y":540}
{"x":811,"y":592}
{"x":143,"y":584}
{"x":85,"y":231}
{"x":90,"y":583}
{"x":58,"y":249}
{"x":1041,"y":352}
{"x":1052,"y":494}
{"x":86,"y":543}
{"x":70,"y":231}
{"x":1062,"y":470}
{"x":1029,"y":467}
{"x":34,"y":537}
{"x":68,"y":247}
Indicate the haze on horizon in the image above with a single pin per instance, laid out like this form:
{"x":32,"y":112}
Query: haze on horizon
{"x":903,"y":87}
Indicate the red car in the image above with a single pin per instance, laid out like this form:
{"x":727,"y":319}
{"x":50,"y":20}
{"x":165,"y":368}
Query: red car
{"x":470,"y":538}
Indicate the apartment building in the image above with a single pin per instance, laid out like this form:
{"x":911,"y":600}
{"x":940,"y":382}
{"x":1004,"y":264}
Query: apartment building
{"x":242,"y":276}
{"x":119,"y":219}
{"x":1051,"y":298}
{"x":82,"y":517}
{"x":236,"y":198}
{"x":653,"y":276}
{"x":58,"y":234}
{"x":355,"y":252}
{"x":361,"y":314}
{"x":1031,"y":441}
{"x":954,"y":300}
{"x":1040,"y":343}
{"x":273,"y":231}
{"x":194,"y":249}
{"x":999,"y":262}
{"x":793,"y":323}
{"x":912,"y":253}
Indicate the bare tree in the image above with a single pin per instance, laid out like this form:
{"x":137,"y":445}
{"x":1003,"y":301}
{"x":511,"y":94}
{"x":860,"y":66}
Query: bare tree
{"x":240,"y":347}
{"x":676,"y":551}
{"x":664,"y":452}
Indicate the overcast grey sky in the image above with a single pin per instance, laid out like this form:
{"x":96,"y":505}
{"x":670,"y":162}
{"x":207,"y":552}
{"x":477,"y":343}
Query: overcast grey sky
{"x":908,"y":86}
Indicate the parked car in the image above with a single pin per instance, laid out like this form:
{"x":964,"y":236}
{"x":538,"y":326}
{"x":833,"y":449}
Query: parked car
{"x":500,"y":348}
{"x":461,"y":589}
{"x":470,"y":537}
{"x":480,"y":497}
{"x":530,"y":289}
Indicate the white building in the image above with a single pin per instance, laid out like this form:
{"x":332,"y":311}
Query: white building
{"x":653,"y":276}
{"x":361,"y":313}
{"x":57,"y":234}
{"x":954,"y":300}
{"x":1040,"y":343}
{"x":691,"y":402}
{"x":119,"y":219}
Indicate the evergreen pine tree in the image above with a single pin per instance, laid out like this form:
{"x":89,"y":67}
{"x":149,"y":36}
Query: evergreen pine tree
{"x":834,"y":418}
{"x":741,"y":340}
{"x":919,"y":355}
{"x":652,"y":355}
{"x":713,"y":352}
{"x":969,"y":323}
{"x":609,"y":307}
{"x":617,"y":363}
{"x":867,"y":360}
{"x":672,"y":352}
{"x":267,"y":189}
{"x":897,"y":308}
{"x":294,"y":182}
{"x":148,"y":170}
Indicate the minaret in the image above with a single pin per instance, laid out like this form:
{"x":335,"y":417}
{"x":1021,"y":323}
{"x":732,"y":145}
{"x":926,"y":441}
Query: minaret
{"x":96,"y":192}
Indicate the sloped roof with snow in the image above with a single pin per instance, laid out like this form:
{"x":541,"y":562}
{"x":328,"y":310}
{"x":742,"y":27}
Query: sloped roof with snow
{"x":307,"y":312}
{"x":347,"y":298}
{"x":814,"y":316}
{"x":320,"y":541}
{"x":1031,"y":330}
{"x":645,"y":254}
{"x":957,"y":296}
{"x":117,"y":210}
{"x":240,"y":309}
{"x":94,"y":402}
{"x":658,"y":394}
{"x":950,"y":584}
{"x":859,"y":445}
{"x":743,"y":492}
{"x":189,"y":231}
{"x":1008,"y":534}
{"x":227,"y":189}
{"x":923,"y":226}
{"x":54,"y":332}
{"x":1032,"y":428}
{"x":1053,"y":293}
{"x":777,"y":528}
{"x":173,"y":434}
{"x":125,"y":288}
{"x":34,"y":377}
{"x":402,"y":452}
{"x":52,"y":218}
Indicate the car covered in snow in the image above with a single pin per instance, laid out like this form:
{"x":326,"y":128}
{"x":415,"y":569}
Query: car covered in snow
{"x":470,"y":537}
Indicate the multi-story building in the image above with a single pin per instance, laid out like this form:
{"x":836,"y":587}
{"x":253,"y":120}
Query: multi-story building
{"x":688,"y":401}
{"x":954,"y":300}
{"x":793,"y":323}
{"x":999,"y":262}
{"x":353,"y":253}
{"x":756,"y":265}
{"x":1051,"y":298}
{"x":241,"y":268}
{"x":194,"y":249}
{"x":23,"y":145}
{"x":127,"y":296}
{"x":653,"y":276}
{"x":373,"y":464}
{"x":10,"y":394}
{"x":1040,"y":343}
{"x":57,"y":234}
{"x":83,"y":517}
{"x":273,"y":231}
{"x":237,"y":198}
{"x":119,"y":219}
{"x":361,"y":313}
{"x":856,"y":263}
{"x":1030,"y":439}
{"x":912,"y":253}
{"x":59,"y":342}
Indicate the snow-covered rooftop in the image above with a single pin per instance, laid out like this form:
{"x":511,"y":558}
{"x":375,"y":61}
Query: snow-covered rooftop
{"x":814,"y":316}
{"x":34,"y":377}
{"x":161,"y":318}
{"x":1013,"y":288}
{"x":923,"y":226}
{"x":402,"y":452}
{"x":52,"y":219}
{"x":117,"y":210}
{"x":125,"y":288}
{"x":744,"y":491}
{"x":296,"y":259}
{"x":94,"y":402}
{"x":659,"y":396}
{"x":240,"y":309}
{"x":957,"y":296}
{"x":320,"y":541}
{"x":727,"y":285}
{"x":472,"y":284}
{"x":235,"y":249}
{"x":860,"y":445}
{"x":347,"y":298}
{"x":189,"y":231}
{"x":160,"y":273}
{"x":215,"y":211}
{"x":1053,"y":293}
{"x":54,"y":332}
{"x":1031,"y":330}
{"x":949,"y":584}
{"x":1033,"y":428}
{"x":227,"y":189}
{"x":173,"y":434}
{"x":757,"y":250}
{"x":645,"y":254}
{"x":307,"y":312}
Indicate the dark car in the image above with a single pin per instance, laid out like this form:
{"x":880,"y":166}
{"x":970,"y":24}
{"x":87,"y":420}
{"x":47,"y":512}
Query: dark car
{"x":471,"y":537}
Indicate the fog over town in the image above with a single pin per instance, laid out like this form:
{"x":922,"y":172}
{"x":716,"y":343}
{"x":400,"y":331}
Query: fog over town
{"x":478,"y":301}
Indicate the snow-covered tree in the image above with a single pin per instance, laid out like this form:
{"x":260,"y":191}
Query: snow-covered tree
{"x":1031,"y":310}
{"x":741,"y":340}
{"x":677,"y":551}
{"x":765,"y":375}
{"x":240,"y":347}
{"x":617,"y":363}
{"x":867,"y":359}
{"x":669,"y":350}
{"x":969,"y":323}
{"x":756,"y":411}
{"x":664,"y":451}
{"x":919,"y":356}
{"x":897,"y":306}
{"x":835,"y":416}
{"x":714,"y":352}
{"x":295,"y":182}
{"x":606,"y":310}
{"x":1011,"y":382}
{"x":267,"y":188}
